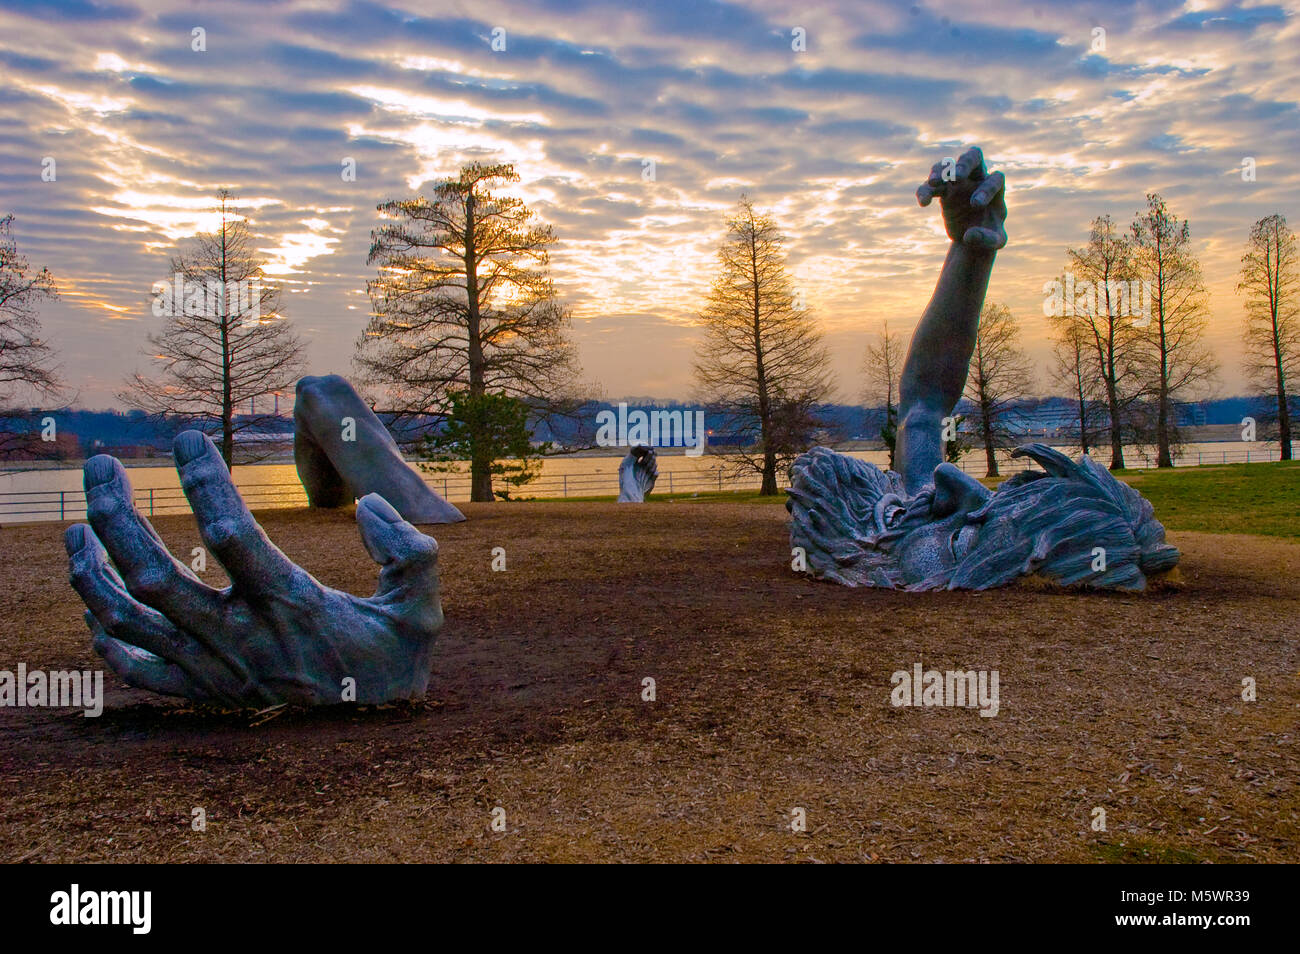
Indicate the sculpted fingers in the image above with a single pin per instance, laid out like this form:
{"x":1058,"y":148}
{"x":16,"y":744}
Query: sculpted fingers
{"x":935,"y":185}
{"x":971,"y":164}
{"x":989,"y":195}
{"x":991,"y":188}
{"x":255,"y":565}
{"x":151,"y":573}
{"x":408,"y":557}
{"x":118,"y":614}
{"x":991,"y":238}
{"x":408,"y":581}
{"x":142,"y":669}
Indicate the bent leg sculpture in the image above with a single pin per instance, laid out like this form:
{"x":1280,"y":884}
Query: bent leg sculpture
{"x":637,"y":474}
{"x":335,"y":471}
{"x":931,"y":526}
{"x":274,"y":635}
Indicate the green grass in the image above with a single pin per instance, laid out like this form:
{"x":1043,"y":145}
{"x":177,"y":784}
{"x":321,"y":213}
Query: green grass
{"x":1260,"y":499}
{"x":1146,"y":851}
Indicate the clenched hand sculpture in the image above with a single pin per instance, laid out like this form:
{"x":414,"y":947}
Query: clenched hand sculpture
{"x":275,"y":634}
{"x":637,"y":474}
{"x":930,"y":526}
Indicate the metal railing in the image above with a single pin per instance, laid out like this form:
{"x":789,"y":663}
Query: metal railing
{"x":36,"y":505}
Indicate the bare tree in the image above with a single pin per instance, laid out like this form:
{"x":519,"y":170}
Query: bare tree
{"x":1177,"y":362}
{"x":1000,"y":378}
{"x":1270,"y":277}
{"x":1074,"y":366}
{"x":1107,"y":319}
{"x":882,"y":365}
{"x":26,"y":360}
{"x":464,"y":302}
{"x":762,"y":367}
{"x":224,"y":341}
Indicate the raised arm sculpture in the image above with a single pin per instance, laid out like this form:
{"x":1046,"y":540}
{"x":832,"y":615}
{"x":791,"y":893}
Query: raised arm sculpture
{"x":930,"y":526}
{"x":275,"y":634}
{"x":343,"y":452}
{"x":637,"y":474}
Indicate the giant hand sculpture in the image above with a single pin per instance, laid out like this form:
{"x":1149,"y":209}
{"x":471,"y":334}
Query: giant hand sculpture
{"x":637,"y":474}
{"x":275,"y":634}
{"x":343,"y":451}
{"x":932,"y":526}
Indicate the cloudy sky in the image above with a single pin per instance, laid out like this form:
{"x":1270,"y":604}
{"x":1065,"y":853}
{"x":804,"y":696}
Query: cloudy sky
{"x":1084,"y":106}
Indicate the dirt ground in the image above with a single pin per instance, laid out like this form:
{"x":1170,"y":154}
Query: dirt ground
{"x":772,"y":693}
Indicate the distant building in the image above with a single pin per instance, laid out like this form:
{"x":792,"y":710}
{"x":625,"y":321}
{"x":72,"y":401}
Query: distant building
{"x":1191,"y":415}
{"x":1045,"y":420}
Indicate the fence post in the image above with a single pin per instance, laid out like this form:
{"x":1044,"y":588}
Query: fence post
{"x":566,"y":485}
{"x":61,"y":493}
{"x":445,"y":495}
{"x":719,"y":481}
{"x":151,"y":501}
{"x":670,"y":481}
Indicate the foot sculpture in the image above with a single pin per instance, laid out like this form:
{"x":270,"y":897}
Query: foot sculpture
{"x":637,"y":474}
{"x":275,"y":635}
{"x":343,"y":452}
{"x":930,"y":526}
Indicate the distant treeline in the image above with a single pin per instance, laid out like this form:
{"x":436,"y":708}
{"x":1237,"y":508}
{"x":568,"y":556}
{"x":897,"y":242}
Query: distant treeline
{"x":26,"y":434}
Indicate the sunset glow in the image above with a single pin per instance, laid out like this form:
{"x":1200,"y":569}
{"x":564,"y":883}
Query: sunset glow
{"x":833,"y":140}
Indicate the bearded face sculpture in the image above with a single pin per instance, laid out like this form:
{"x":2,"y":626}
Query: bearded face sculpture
{"x":1070,"y":523}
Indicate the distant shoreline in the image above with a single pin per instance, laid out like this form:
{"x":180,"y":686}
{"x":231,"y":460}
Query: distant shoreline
{"x":1202,"y":434}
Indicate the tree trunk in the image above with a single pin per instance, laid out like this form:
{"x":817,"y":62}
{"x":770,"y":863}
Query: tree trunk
{"x":990,"y":450}
{"x":480,"y":469}
{"x":768,"y":486}
{"x":227,"y":402}
{"x":768,"y":489}
{"x":891,"y":425}
{"x":1106,"y":363}
{"x":1283,"y":422}
{"x":480,"y":478}
{"x":1083,"y":407}
{"x":227,"y":398}
{"x":1163,"y":457}
{"x":1283,"y":411}
{"x":1116,"y":426}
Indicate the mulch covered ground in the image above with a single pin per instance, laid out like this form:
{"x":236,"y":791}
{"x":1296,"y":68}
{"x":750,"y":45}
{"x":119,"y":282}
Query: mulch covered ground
{"x":772,"y":693}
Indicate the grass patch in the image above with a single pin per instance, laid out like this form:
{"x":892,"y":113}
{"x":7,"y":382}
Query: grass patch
{"x":1260,"y":499}
{"x":1145,"y":851}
